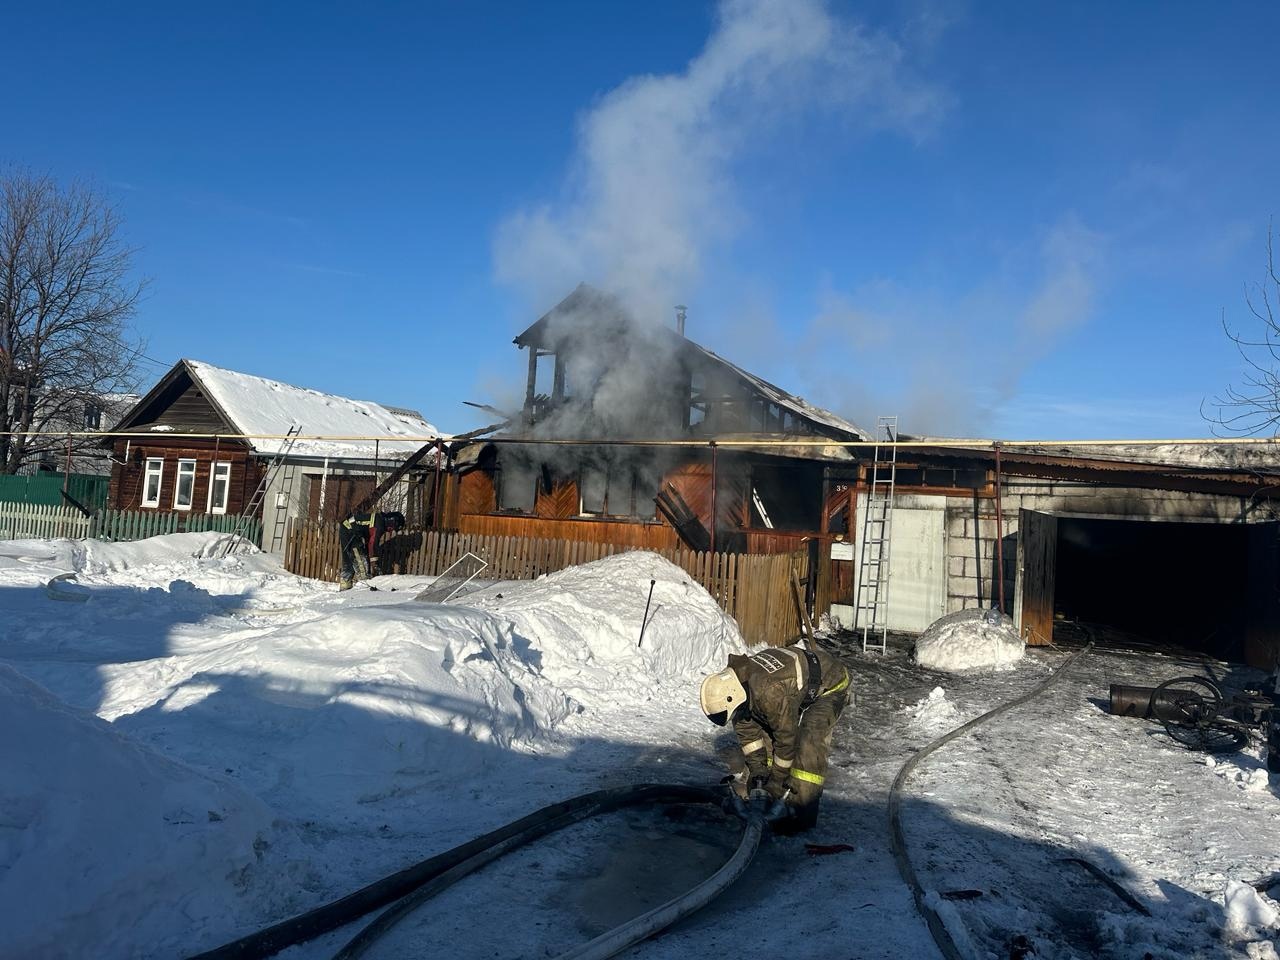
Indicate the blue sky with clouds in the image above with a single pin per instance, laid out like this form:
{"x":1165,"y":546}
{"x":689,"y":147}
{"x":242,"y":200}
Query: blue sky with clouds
{"x":1006,"y":219}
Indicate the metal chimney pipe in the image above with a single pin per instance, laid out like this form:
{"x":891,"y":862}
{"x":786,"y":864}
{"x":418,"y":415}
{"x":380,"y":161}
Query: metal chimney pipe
{"x":681,"y":310}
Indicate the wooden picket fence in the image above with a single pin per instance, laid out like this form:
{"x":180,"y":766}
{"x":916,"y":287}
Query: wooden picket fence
{"x":21,"y":521}
{"x":755,"y":590}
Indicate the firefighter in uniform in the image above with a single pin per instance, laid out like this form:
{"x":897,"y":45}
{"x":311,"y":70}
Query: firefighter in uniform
{"x":358,"y":537}
{"x":783,"y":704}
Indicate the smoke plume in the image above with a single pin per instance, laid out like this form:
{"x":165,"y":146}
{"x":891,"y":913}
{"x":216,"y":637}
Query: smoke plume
{"x":651,"y":193}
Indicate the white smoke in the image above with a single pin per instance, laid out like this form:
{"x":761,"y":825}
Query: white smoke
{"x":652,"y":188}
{"x":947,"y":365}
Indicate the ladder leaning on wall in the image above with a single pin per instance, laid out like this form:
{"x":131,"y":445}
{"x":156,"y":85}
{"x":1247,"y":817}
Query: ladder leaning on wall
{"x":281,"y":522}
{"x":871,"y":602}
{"x":259,"y":494}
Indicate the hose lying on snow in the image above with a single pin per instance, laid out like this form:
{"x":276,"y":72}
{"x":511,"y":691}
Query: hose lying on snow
{"x":422,"y":880}
{"x":896,"y":838}
{"x":646,"y":925}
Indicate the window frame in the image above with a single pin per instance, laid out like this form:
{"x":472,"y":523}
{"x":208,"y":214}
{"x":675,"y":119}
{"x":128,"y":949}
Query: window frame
{"x":147,"y":472}
{"x":177,"y":484}
{"x":603,"y":474}
{"x":214,"y":468}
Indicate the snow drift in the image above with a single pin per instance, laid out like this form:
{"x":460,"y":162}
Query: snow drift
{"x":969,"y":640}
{"x":585,"y":622}
{"x":106,"y":847}
{"x":237,"y":693}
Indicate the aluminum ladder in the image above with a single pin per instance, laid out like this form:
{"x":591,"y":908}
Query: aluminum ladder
{"x":279,"y":528}
{"x":871,"y":603}
{"x":259,"y":494}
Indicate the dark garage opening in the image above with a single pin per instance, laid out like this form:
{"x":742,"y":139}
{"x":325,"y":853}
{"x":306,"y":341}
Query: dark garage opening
{"x":1180,"y":584}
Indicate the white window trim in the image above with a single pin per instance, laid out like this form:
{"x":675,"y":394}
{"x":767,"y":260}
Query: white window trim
{"x":212,"y":507}
{"x":146,"y":477}
{"x":177,"y":484}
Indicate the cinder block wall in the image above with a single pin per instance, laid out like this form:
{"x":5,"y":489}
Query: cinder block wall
{"x":971,"y":567}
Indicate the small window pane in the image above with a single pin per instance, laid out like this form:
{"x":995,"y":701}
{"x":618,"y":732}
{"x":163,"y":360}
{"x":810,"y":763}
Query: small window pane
{"x":186,"y":485}
{"x":151,"y":483}
{"x":219,"y":487}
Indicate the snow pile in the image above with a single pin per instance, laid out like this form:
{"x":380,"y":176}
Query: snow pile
{"x":934,"y":712}
{"x":969,"y":640}
{"x":103,"y":842}
{"x":363,"y":703}
{"x":1248,"y":913}
{"x":1246,"y":770}
{"x":233,"y":690}
{"x":99,"y":557}
{"x":585,"y":624}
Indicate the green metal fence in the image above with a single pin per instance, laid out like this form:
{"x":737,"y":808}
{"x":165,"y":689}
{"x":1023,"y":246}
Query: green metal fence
{"x":46,"y":489}
{"x":37,"y":521}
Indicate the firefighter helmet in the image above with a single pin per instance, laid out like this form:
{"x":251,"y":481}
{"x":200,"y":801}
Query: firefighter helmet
{"x":722,"y":694}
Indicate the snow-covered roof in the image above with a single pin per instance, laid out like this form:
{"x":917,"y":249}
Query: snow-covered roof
{"x":1258,"y":456}
{"x":262,"y":407}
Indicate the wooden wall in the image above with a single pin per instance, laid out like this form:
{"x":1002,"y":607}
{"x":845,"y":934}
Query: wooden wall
{"x":651,"y":536}
{"x":125,"y":492}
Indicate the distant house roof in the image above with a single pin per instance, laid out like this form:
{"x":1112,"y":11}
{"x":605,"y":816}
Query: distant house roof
{"x":261,"y":408}
{"x":610,"y":318}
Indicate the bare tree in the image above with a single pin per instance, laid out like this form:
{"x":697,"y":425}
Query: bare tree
{"x":66,"y":300}
{"x":1253,"y":406}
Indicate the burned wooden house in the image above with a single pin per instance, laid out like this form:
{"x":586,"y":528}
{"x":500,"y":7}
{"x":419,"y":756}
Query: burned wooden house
{"x":730,"y":462}
{"x":1175,"y":544}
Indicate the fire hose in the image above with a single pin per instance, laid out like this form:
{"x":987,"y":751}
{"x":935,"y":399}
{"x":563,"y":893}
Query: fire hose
{"x":897,"y":839}
{"x":408,"y":888}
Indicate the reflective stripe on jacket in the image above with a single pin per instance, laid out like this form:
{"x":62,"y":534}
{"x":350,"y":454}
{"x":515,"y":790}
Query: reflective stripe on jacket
{"x":776,"y":681}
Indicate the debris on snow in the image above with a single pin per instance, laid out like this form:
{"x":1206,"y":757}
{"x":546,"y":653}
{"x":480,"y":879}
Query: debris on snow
{"x":969,"y":640}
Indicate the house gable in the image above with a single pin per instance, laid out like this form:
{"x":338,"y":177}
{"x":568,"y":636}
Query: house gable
{"x":617,"y":376}
{"x":177,"y":404}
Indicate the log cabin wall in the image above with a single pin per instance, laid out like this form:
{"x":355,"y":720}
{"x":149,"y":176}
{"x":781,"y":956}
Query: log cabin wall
{"x":125,"y":492}
{"x":652,"y":536}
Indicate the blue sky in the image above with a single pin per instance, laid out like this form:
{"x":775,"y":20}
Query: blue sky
{"x":1006,"y":219}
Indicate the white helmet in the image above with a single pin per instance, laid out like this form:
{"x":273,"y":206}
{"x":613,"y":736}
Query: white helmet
{"x":722,"y":693}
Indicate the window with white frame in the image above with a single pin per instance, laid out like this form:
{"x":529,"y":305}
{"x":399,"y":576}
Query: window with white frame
{"x":219,"y":486}
{"x":185,"y":486}
{"x":151,"y":482}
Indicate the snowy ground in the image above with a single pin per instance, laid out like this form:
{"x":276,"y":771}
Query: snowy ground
{"x":195,"y":747}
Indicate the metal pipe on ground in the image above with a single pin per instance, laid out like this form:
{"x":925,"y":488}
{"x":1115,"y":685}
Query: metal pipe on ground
{"x":1142,"y":702}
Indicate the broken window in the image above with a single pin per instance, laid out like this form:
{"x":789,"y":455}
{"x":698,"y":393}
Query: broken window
{"x":517,"y":488}
{"x":593,"y":488}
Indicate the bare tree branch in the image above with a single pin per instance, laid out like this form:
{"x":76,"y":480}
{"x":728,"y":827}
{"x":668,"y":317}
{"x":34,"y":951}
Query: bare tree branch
{"x":1254,"y":407}
{"x":67,"y":296}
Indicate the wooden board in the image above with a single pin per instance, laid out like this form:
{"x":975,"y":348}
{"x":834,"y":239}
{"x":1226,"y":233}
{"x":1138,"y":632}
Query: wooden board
{"x":1037,"y":575}
{"x":1262,"y":630}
